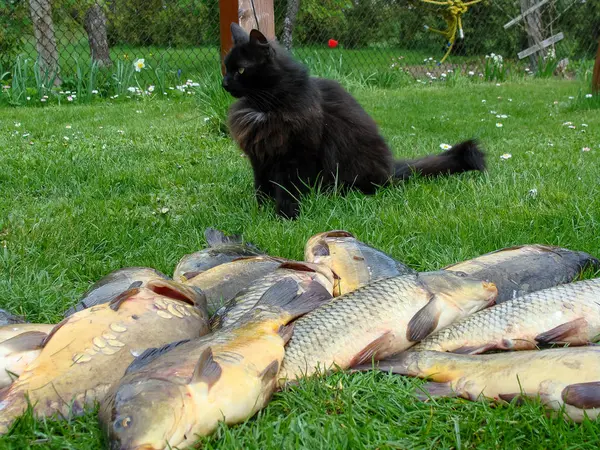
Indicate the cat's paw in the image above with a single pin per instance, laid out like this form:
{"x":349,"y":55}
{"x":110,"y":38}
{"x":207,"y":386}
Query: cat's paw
{"x":288,"y":209}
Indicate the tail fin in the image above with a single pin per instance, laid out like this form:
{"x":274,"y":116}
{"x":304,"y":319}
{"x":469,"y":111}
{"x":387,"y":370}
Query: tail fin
{"x":463,"y":157}
{"x":284,"y":294}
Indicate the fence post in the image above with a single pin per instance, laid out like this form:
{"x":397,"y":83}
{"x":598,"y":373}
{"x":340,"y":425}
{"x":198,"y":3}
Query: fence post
{"x":264,"y":13}
{"x":228,"y":12}
{"x":596,"y":75}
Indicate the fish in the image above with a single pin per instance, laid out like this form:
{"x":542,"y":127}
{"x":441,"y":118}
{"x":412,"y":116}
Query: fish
{"x":19,"y":346}
{"x":304,"y":274}
{"x":380,"y":319}
{"x":355,"y":263}
{"x":111,"y":285}
{"x":223,"y":282}
{"x":221,"y":249}
{"x":170,"y":396}
{"x":559,"y":377}
{"x":519,"y":270}
{"x":7,"y":318}
{"x":565,"y":314}
{"x":90,"y":350}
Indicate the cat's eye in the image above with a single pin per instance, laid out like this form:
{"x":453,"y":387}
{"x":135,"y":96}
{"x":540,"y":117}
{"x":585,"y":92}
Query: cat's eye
{"x":241,"y":70}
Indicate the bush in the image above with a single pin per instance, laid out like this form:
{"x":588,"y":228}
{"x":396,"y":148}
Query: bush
{"x":14,"y":23}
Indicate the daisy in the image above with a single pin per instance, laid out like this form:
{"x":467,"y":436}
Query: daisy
{"x":499,"y":125}
{"x":445,"y":146}
{"x":506,"y":156}
{"x":139,"y":64}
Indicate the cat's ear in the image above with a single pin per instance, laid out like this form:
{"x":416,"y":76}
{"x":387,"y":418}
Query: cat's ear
{"x":239,"y":34}
{"x":257,"y":38}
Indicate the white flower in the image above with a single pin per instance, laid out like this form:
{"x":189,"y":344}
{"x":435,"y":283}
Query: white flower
{"x":25,"y":134}
{"x":66,"y":138}
{"x":572,"y":127}
{"x":588,"y":95}
{"x":499,"y":125}
{"x":68,"y":127}
{"x":568,"y":123}
{"x":506,"y":156}
{"x":571,"y":97}
{"x":206,"y":119}
{"x":471,"y":73}
{"x":138,"y":111}
{"x":120,"y":131}
{"x":445,"y":146}
{"x":502,"y":116}
{"x":443,"y":75}
{"x":28,"y":98}
{"x":497,"y":84}
{"x":510,"y":99}
{"x":483,"y":101}
{"x":94,"y":91}
{"x":150,"y":88}
{"x":131,"y":89}
{"x":533,"y":192}
{"x":585,"y":149}
{"x":17,"y":124}
{"x":42,"y":99}
{"x":584,"y":125}
{"x":492,"y":112}
{"x":139,"y":64}
{"x":69,"y":98}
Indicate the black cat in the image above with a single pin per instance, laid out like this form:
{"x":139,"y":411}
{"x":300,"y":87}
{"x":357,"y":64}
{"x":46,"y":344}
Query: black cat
{"x":297,"y":130}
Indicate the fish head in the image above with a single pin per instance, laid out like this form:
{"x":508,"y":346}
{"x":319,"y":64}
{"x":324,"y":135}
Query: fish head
{"x":468,"y":294}
{"x":145,"y":415}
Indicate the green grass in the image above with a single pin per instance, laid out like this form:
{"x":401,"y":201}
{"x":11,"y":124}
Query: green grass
{"x":73,"y":210}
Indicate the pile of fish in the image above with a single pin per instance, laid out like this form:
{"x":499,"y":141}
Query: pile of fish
{"x":168,"y":358}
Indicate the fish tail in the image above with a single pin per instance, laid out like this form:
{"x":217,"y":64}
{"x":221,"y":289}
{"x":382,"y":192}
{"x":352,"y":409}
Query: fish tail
{"x":215,"y":237}
{"x":284,"y":295}
{"x":462,"y":157}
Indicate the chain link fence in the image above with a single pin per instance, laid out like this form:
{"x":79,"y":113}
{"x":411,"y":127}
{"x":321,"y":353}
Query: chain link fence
{"x":418,"y":38}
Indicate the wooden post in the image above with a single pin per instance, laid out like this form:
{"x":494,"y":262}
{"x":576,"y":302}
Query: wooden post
{"x":596,"y":76}
{"x":228,"y":12}
{"x":264,"y":13}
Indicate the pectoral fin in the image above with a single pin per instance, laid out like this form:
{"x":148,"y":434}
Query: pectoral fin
{"x":563,"y":333}
{"x":380,"y":346}
{"x":425,"y":321}
{"x":582,"y":395}
{"x":207,"y":370}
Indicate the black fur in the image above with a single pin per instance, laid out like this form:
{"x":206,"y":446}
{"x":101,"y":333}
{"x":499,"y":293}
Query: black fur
{"x":297,"y":130}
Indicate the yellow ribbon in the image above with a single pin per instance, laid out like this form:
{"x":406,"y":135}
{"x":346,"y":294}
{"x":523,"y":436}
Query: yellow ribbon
{"x":452,"y":16}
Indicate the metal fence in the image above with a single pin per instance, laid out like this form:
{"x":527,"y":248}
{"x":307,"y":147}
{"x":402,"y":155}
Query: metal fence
{"x":416,"y":37}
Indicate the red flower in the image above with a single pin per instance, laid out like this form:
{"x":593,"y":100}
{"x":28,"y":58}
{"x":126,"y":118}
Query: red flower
{"x":332,"y":43}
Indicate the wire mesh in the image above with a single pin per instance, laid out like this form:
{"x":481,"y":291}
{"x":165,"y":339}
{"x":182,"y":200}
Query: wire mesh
{"x":365,"y":36}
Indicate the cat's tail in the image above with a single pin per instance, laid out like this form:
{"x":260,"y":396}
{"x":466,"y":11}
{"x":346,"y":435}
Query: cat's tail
{"x":462,"y":157}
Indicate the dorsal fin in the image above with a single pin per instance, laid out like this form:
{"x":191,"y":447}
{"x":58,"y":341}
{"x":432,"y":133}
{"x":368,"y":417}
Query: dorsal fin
{"x":207,"y":370}
{"x":297,"y":265}
{"x":215,"y":237}
{"x":338,"y":233}
{"x":151,"y":354}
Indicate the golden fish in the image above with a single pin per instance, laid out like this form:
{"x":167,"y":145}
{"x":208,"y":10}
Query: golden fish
{"x":382,"y":318}
{"x":90,"y":350}
{"x":170,"y":396}
{"x":355,"y":263}
{"x":562,"y":377}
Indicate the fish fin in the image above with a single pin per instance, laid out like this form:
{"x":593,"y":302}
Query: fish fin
{"x":150,"y":354}
{"x":29,"y":340}
{"x":321,"y":248}
{"x":582,"y":395}
{"x":58,"y":326}
{"x":476,"y":349}
{"x":296,"y":265}
{"x":118,"y":300}
{"x":379,"y":345}
{"x":190,"y":275}
{"x":177,"y":291}
{"x":517,"y":397}
{"x":338,"y":233}
{"x":215,"y":237}
{"x":561,"y":332}
{"x":397,"y":363}
{"x":270,"y":372}
{"x":207,"y":370}
{"x":284,"y":294}
{"x":286,"y":332}
{"x":425,"y":321}
{"x":433,"y":389}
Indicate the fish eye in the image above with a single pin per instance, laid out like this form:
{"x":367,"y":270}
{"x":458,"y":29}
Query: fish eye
{"x":461,"y":274}
{"x":125,"y":423}
{"x":241,"y":70}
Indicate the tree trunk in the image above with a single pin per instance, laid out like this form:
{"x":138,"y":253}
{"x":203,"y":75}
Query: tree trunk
{"x":533,"y":25}
{"x":264,"y":13}
{"x":95,"y":26}
{"x":45,"y":42}
{"x":596,"y":75}
{"x":289,"y":23}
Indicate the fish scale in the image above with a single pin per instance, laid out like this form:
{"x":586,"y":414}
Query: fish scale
{"x":376,"y":317}
{"x":567,"y":313}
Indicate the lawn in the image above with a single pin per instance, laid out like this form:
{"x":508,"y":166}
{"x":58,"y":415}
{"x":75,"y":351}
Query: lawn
{"x":88,"y":189}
